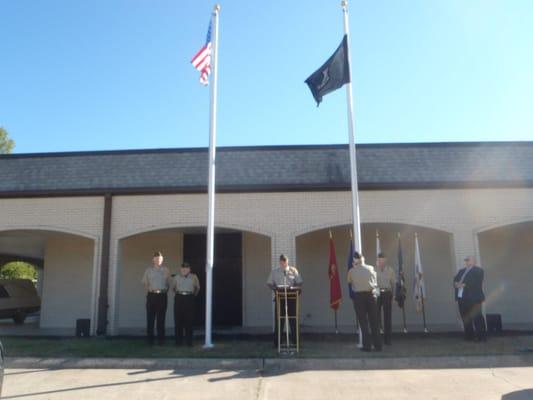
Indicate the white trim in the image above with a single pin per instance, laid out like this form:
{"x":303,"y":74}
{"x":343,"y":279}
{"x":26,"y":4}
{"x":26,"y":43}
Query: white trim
{"x":47,"y":228}
{"x":345,"y":223}
{"x":512,"y":221}
{"x":147,"y":229}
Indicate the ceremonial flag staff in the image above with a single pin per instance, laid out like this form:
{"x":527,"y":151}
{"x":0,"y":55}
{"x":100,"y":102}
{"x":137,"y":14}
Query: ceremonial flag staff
{"x":205,"y":61}
{"x":420,"y":287}
{"x":400,"y":284}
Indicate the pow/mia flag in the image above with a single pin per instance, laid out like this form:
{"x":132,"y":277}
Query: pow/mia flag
{"x":332,"y":75}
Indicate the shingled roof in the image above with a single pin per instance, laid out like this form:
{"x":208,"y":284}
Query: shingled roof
{"x":279,"y":168}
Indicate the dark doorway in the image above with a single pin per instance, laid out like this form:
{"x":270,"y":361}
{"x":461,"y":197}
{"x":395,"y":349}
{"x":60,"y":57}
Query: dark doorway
{"x":227,"y":276}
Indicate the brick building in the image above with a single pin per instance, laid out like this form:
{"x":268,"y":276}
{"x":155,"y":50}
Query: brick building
{"x":90,"y":222}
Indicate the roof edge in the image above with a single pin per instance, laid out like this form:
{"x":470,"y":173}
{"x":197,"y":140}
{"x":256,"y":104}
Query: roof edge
{"x":268,"y":189}
{"x":264,"y":148}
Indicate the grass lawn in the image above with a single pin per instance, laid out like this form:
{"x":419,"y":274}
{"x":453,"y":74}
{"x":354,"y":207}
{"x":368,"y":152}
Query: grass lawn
{"x":328,"y":346}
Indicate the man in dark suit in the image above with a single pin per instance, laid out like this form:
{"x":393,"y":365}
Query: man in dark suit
{"x":469,"y":295}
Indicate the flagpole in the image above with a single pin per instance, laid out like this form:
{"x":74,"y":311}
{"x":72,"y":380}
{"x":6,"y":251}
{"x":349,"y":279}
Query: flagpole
{"x":420,"y":288}
{"x":402,"y":280}
{"x":353,"y":161}
{"x":211,"y":186}
{"x":424,"y":316}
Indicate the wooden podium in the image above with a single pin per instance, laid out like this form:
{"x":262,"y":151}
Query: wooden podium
{"x":288,"y":317}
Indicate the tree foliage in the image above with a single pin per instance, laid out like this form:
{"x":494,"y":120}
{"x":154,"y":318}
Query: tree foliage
{"x":18,"y":270}
{"x":6,"y":144}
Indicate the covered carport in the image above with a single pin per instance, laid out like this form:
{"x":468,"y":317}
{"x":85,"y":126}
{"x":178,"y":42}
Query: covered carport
{"x":65,"y":281}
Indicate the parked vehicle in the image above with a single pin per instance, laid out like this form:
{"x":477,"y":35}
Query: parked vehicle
{"x":18,"y":298}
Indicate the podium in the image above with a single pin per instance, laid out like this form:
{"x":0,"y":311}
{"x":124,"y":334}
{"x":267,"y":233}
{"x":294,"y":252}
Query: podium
{"x":287,"y":313}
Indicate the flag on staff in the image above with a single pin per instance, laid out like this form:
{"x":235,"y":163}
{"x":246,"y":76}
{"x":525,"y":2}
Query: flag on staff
{"x":350,"y":265}
{"x":399,"y":293}
{"x":420,"y":287}
{"x":202,"y":60}
{"x":332,"y":75}
{"x":335,"y":294}
{"x":378,"y":247}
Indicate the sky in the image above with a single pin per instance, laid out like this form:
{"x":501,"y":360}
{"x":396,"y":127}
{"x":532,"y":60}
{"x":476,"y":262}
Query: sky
{"x":115,"y":74}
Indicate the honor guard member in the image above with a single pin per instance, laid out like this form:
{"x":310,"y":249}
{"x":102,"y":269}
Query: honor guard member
{"x":155,"y":281}
{"x":285,"y":275}
{"x":186,"y":287}
{"x":363,"y":279}
{"x":386,"y":279}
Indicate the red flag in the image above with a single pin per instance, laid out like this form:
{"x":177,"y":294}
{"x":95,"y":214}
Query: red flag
{"x":335,"y":294}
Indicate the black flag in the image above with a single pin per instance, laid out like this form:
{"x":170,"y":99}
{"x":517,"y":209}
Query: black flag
{"x":332,"y":75}
{"x":400,"y":291}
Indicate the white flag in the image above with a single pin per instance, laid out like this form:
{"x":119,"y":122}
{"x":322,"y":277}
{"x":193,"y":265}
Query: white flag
{"x":419,"y":285}
{"x":378,"y":247}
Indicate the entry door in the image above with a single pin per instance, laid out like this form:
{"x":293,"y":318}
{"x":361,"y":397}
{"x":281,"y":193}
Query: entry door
{"x":227,"y":276}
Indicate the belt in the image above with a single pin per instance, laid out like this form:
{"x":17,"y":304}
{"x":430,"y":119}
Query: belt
{"x":185,"y":293}
{"x":385,"y":290}
{"x":158,"y":291}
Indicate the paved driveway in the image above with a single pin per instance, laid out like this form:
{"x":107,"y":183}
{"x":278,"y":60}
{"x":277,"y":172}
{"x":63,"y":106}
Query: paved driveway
{"x":478,"y":384}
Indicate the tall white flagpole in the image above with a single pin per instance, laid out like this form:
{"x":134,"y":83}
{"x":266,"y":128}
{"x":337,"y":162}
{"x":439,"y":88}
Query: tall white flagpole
{"x":353,"y":161}
{"x":211,"y":186}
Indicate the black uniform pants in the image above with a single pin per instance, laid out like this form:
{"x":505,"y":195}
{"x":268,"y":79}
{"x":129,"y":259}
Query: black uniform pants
{"x":156,"y":309}
{"x":385,"y":305}
{"x":473,"y":320}
{"x":183,"y":317}
{"x":291,"y":309}
{"x":366,"y":310}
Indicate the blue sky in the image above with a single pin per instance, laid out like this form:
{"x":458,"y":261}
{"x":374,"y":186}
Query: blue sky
{"x":116,"y":74}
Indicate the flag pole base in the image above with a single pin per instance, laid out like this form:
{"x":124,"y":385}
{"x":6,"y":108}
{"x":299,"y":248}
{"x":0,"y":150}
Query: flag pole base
{"x":208,"y":346}
{"x":404,"y":330}
{"x":426,"y":330}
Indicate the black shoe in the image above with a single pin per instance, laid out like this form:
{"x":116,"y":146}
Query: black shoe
{"x":365,"y":349}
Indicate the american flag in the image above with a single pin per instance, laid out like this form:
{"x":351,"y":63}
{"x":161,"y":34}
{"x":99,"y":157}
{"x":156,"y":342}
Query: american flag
{"x":202,"y":60}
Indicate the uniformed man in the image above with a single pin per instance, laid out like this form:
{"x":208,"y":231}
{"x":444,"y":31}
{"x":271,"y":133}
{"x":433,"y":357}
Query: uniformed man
{"x":363,"y":280}
{"x":155,"y":281}
{"x":285,"y":275}
{"x":386,"y":279}
{"x":185,"y":286}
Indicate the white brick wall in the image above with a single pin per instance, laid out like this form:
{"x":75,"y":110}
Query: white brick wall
{"x":281,"y":216}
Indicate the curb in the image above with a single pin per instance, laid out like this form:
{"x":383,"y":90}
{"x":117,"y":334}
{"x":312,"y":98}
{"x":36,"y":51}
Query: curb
{"x":299,"y":364}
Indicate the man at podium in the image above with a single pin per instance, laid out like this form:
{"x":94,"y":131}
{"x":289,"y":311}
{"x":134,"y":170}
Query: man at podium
{"x":281,"y":277}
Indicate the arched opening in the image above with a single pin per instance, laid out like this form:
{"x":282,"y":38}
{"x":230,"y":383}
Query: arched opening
{"x":242,"y":263}
{"x":507,"y":258}
{"x":437,"y":261}
{"x":51,"y":279}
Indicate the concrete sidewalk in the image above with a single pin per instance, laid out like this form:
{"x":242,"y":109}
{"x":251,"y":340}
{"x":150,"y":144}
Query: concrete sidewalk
{"x":141,"y":384}
{"x":296,"y":364}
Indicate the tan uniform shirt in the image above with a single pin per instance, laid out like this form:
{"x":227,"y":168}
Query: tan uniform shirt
{"x":362,"y":278}
{"x":156,"y":278}
{"x":278,"y":277}
{"x":185,"y":284}
{"x":386,"y":278}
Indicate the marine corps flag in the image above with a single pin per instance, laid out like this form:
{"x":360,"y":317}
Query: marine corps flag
{"x":332,"y":75}
{"x":335,"y":294}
